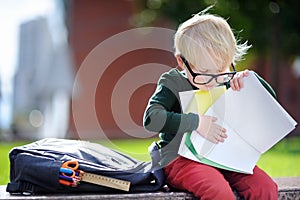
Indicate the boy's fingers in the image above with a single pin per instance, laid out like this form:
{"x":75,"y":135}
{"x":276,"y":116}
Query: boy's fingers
{"x":246,"y":73}
{"x":237,"y":82}
{"x":234,"y":84}
{"x":218,"y":138}
{"x":223,"y":135}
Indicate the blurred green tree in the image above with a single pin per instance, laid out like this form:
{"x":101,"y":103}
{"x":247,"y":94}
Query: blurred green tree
{"x":272,"y":26}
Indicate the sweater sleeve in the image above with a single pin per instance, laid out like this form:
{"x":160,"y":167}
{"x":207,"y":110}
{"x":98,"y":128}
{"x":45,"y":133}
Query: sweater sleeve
{"x":160,"y":115}
{"x":163,"y":113}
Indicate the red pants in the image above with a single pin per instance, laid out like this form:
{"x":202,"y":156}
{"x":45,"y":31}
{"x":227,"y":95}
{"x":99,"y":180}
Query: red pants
{"x":207,"y":182}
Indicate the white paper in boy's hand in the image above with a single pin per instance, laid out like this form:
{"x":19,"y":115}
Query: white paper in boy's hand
{"x":254,"y":121}
{"x":254,"y":114}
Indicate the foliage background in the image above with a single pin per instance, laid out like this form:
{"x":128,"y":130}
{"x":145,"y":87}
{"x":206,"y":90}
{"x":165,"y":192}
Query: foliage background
{"x":272,"y":27}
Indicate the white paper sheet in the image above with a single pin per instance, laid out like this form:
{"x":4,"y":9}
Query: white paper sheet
{"x":254,"y":121}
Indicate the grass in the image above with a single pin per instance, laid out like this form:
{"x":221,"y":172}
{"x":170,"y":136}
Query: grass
{"x":282,"y":160}
{"x":4,"y":160}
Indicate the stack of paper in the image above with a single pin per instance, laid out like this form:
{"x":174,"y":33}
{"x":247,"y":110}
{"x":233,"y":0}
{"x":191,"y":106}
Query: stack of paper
{"x":254,"y":121}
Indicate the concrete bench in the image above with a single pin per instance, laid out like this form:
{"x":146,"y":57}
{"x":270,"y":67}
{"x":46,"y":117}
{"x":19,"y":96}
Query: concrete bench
{"x":289,"y":188}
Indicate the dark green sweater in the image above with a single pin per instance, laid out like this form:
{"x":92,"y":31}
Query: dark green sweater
{"x":164,"y":114}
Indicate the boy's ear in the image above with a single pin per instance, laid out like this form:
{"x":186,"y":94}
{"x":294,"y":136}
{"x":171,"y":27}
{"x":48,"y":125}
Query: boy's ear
{"x":179,"y":62}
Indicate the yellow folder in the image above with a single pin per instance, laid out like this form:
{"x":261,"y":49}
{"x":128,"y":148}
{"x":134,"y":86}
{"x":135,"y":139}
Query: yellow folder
{"x":204,"y":99}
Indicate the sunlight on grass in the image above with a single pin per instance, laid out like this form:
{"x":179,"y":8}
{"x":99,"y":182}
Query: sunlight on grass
{"x":280,"y":164}
{"x":4,"y":160}
{"x":283,"y":159}
{"x":138,"y":149}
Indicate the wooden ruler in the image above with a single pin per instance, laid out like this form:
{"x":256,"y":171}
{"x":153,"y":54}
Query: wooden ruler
{"x":106,"y":181}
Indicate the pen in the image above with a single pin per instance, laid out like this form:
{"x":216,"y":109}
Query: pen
{"x":66,"y":178}
{"x":67,"y":183}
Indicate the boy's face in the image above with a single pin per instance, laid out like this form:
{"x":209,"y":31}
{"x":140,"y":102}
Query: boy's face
{"x":207,"y":86}
{"x":194,"y":77}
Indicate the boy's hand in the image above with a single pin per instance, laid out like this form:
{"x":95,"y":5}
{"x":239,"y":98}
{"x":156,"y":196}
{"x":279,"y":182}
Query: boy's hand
{"x":210,"y":130}
{"x":237,"y":82}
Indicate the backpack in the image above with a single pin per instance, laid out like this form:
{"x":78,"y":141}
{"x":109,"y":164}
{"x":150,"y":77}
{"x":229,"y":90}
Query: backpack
{"x":35,"y":167}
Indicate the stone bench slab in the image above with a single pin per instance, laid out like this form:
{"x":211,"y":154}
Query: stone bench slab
{"x":289,"y":189}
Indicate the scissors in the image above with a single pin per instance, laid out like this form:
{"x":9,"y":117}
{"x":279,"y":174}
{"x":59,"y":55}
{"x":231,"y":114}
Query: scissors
{"x":73,"y":171}
{"x":70,"y":175}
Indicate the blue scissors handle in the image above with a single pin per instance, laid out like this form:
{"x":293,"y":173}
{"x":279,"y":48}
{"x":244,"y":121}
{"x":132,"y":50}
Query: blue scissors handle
{"x":71,"y":165}
{"x":66,"y":171}
{"x":70,"y":175}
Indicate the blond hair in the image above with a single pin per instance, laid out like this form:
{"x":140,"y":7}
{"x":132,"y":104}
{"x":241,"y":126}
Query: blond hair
{"x":207,"y":39}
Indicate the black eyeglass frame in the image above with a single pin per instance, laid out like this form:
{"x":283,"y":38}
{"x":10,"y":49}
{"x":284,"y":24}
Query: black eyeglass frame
{"x":213,"y":76}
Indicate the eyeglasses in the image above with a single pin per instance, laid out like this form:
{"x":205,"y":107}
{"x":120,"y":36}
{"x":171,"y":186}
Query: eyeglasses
{"x":202,"y":79}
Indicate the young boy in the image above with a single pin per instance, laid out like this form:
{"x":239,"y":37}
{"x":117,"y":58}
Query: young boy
{"x":205,"y":48}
